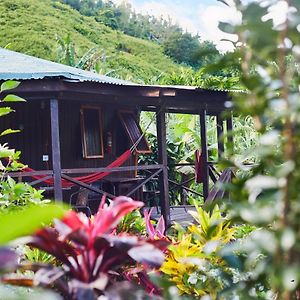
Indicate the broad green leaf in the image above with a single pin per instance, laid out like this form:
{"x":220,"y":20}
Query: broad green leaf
{"x":5,"y":111}
{"x":27,"y":221}
{"x":9,"y":131}
{"x":226,"y":27}
{"x":5,"y":152}
{"x":11,"y":182}
{"x":9,"y":85}
{"x":13,"y":98}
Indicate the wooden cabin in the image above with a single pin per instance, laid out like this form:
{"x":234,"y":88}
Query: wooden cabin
{"x":77,"y":123}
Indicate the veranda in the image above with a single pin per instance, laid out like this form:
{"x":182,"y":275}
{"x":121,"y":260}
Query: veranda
{"x":80,"y":129}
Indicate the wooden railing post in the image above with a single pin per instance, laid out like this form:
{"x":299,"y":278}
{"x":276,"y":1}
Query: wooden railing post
{"x":163,"y":160}
{"x":220,"y":134}
{"x":204,"y":154}
{"x":55,"y":145}
{"x":229,"y":125}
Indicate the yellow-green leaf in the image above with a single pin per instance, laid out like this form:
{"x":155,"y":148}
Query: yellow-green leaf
{"x":5,"y":111}
{"x":13,"y":98}
{"x":9,"y":131}
{"x":9,"y":85}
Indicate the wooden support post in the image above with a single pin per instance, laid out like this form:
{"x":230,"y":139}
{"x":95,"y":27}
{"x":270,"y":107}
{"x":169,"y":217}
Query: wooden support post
{"x":220,"y":134}
{"x":229,"y":123}
{"x":55,"y":145}
{"x":204,"y":154}
{"x":163,"y":160}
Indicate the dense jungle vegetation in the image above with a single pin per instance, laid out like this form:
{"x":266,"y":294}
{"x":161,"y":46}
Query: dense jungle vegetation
{"x":37,"y":34}
{"x":114,"y":50}
{"x":180,"y":45}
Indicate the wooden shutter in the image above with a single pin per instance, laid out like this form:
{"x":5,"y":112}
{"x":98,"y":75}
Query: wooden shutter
{"x":134,"y":131}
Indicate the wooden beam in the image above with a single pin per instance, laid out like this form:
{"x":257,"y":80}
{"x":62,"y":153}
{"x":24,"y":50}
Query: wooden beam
{"x":177,"y":99}
{"x":184,"y":187}
{"x":163,"y":160}
{"x":144,"y":181}
{"x":87,"y":186}
{"x":33,"y":183}
{"x":55,"y":147}
{"x":112,"y":170}
{"x":218,"y":191}
{"x":29,"y":174}
{"x":84,"y":171}
{"x":204,"y":154}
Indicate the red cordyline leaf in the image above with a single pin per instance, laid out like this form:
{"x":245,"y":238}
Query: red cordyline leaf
{"x":75,"y":221}
{"x":108,"y":217}
{"x":47,"y":239}
{"x":161,"y":227}
{"x":105,"y":221}
{"x":159,"y":231}
{"x":75,"y":238}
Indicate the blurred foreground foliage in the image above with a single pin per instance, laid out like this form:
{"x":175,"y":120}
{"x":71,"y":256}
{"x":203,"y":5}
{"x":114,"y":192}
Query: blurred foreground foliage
{"x":267,"y":196}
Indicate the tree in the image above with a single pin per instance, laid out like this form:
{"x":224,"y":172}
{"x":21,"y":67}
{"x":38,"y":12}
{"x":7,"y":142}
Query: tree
{"x":182,"y":47}
{"x":187,"y":49}
{"x":73,"y":3}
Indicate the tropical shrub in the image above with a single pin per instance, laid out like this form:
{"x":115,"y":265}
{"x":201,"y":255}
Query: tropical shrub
{"x":90,"y":252}
{"x":36,"y":255}
{"x":192,"y":261}
{"x":13,"y":195}
{"x":132,"y":223}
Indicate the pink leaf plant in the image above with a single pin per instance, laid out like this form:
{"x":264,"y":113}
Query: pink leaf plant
{"x":90,"y":251}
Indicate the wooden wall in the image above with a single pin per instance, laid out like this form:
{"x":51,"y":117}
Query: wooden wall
{"x":33,"y":118}
{"x":70,"y":135}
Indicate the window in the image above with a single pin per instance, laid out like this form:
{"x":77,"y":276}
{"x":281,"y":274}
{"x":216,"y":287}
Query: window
{"x":134,"y":131}
{"x":91,"y":132}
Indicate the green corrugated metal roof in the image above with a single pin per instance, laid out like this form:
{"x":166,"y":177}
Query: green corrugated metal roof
{"x":18,"y":66}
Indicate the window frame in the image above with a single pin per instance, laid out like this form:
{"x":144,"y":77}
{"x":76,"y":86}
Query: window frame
{"x":83,"y":132}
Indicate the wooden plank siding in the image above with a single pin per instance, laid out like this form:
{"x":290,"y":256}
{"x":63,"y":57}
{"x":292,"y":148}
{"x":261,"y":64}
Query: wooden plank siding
{"x":71,"y":145}
{"x":34,"y":141}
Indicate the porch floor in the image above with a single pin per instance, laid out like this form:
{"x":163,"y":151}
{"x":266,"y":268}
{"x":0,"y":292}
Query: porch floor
{"x":179,"y":214}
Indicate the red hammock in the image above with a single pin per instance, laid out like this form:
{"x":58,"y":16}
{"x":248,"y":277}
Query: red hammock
{"x":88,"y":178}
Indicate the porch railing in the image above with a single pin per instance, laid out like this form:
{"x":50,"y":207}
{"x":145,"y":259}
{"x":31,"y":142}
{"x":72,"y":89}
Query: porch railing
{"x":152,"y":171}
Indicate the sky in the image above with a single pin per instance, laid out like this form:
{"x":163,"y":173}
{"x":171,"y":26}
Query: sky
{"x":196,"y":16}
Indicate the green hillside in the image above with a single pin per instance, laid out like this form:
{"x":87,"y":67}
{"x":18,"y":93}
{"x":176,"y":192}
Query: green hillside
{"x":31,"y":26}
